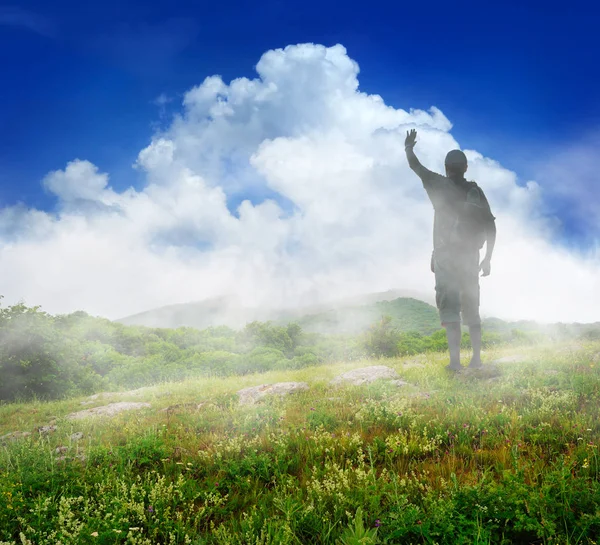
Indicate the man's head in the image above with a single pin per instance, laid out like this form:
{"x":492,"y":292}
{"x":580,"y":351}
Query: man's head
{"x":456,"y":163}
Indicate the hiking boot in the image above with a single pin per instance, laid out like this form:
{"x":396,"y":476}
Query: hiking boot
{"x":475,"y":364}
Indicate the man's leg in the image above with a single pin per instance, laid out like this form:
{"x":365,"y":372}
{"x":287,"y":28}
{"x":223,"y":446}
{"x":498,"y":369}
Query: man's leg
{"x":470,"y":295}
{"x":475,"y":334}
{"x":447,"y":297}
{"x":453,"y":334}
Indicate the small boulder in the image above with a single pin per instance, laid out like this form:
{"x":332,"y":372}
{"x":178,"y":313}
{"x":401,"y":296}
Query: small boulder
{"x":517,"y":358}
{"x":365,"y":375}
{"x":14,"y":436}
{"x":108,"y":410}
{"x":76,"y":436}
{"x":253,"y":394}
{"x":45,"y":430}
{"x":182,"y":406}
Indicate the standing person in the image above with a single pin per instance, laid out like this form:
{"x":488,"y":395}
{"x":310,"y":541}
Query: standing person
{"x":463,"y":222}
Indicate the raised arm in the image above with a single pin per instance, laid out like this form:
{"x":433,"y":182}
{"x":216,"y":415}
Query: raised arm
{"x":414,"y":163}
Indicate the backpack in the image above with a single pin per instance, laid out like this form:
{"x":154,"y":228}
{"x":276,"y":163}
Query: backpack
{"x":470,"y":226}
{"x":472,"y":221}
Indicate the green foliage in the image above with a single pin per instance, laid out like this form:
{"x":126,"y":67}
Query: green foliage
{"x":382,"y":339}
{"x":357,"y":534}
{"x":50,"y":357}
{"x":36,"y":360}
{"x":406,"y":314}
{"x":282,"y":338}
{"x":333,"y":465}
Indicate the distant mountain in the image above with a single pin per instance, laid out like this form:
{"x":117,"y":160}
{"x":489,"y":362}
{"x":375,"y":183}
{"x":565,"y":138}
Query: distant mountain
{"x":200,"y":314}
{"x":407,"y":315}
{"x":408,"y":310}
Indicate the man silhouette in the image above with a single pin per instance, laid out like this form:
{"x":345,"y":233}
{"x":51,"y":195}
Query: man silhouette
{"x":463,"y":222}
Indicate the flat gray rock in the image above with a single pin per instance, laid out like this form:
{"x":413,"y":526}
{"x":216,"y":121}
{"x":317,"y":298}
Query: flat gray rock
{"x":103,"y":395}
{"x":253,"y":394}
{"x":45,"y":430}
{"x":365,"y":375}
{"x":14,"y":436}
{"x":108,"y":410}
{"x":183,"y":407}
{"x":517,"y":358}
{"x":399,"y":383}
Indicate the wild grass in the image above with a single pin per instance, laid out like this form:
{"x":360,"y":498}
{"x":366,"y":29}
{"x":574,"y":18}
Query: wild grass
{"x":506,"y":455}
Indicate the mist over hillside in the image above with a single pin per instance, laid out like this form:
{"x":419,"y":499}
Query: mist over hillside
{"x":412,"y":311}
{"x":409,"y":312}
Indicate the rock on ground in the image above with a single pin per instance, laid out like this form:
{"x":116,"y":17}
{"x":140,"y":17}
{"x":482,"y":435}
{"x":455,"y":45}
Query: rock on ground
{"x":103,"y":395}
{"x":182,"y":406}
{"x":45,"y":430}
{"x":253,"y":394}
{"x":517,"y":358}
{"x":108,"y":410}
{"x":365,"y":375}
{"x":13,"y":436}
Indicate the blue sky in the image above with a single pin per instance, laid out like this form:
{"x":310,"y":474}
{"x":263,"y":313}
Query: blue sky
{"x":519,"y":82}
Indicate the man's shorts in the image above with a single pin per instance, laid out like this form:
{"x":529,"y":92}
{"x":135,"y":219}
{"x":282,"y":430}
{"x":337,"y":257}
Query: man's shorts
{"x":457,"y":286}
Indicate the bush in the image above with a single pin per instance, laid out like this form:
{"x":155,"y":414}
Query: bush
{"x":382,"y":339}
{"x":263,"y":359}
{"x":37,"y":360}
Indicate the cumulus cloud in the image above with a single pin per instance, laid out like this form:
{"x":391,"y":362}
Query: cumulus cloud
{"x":329,"y":208}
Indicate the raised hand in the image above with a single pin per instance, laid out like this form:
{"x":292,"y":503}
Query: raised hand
{"x":411,"y":138}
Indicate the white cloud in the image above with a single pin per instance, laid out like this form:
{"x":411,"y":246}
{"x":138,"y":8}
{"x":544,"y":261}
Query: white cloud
{"x":80,"y":180}
{"x":336,"y":209}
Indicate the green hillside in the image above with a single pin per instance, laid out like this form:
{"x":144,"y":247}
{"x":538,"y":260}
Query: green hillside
{"x":49,"y":357}
{"x":407,"y":315}
{"x":507,"y":455}
{"x":166,"y":451}
{"x":230,"y":312}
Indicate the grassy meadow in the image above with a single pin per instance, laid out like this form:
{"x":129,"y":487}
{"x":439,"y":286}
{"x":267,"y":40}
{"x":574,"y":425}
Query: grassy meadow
{"x":508,"y":454}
